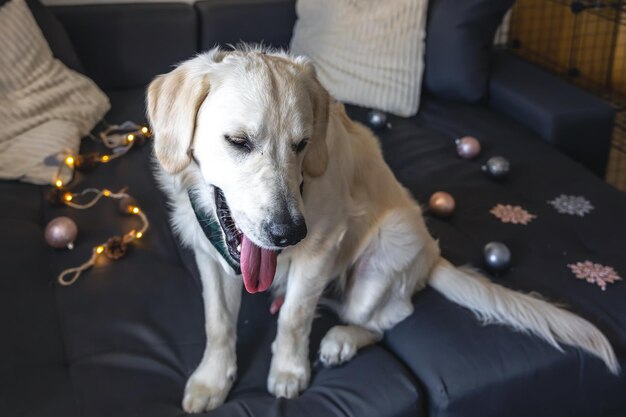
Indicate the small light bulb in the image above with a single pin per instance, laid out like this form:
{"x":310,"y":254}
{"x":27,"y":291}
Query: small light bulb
{"x":130,"y":137}
{"x":106,"y":192}
{"x":99,"y":249}
{"x":144,"y":130}
{"x":138,"y":235}
{"x":135,"y":210}
{"x":68,"y":197}
{"x":59,"y":183}
{"x":69,"y":160}
{"x":105,"y":158}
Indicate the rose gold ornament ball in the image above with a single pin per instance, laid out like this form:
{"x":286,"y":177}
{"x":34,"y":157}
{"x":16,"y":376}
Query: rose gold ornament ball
{"x":441,"y":204}
{"x":61,"y":233}
{"x":468,"y":147}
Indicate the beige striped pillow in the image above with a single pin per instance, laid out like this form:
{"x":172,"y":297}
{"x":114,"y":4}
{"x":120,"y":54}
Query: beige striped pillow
{"x":45,"y":108}
{"x":366,"y":52}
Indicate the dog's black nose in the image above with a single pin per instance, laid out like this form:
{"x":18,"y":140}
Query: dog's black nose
{"x":287,"y":233}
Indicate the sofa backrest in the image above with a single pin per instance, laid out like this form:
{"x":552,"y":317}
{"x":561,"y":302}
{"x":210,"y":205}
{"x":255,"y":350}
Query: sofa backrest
{"x":459,"y":39}
{"x":124,"y":46}
{"x":224,"y":22}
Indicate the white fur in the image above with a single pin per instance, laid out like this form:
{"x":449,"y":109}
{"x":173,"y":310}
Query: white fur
{"x":493,"y":303}
{"x":365,"y":232}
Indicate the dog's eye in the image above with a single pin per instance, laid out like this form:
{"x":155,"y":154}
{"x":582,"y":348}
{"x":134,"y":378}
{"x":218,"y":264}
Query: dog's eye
{"x":299,"y":147}
{"x":239,"y":142}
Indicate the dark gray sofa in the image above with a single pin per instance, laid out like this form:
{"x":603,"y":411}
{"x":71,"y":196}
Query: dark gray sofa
{"x":124,"y":338}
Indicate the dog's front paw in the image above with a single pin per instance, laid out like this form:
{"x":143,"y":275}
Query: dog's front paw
{"x":288,"y":381}
{"x":337,"y":347}
{"x":208,"y":387}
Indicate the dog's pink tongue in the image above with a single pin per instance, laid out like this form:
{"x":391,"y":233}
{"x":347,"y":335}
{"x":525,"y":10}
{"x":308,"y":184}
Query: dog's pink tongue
{"x":258,"y":266}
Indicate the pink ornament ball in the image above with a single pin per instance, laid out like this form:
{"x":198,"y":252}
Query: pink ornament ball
{"x":468,"y":147}
{"x":61,"y":233}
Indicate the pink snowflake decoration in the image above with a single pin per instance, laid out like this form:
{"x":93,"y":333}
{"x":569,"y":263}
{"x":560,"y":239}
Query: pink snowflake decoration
{"x":595,"y":273}
{"x":512,"y":214}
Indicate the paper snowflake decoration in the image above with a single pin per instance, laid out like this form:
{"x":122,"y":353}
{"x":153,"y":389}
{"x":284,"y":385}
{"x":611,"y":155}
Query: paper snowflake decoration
{"x":572,"y":204}
{"x":512,"y":214}
{"x":595,"y":273}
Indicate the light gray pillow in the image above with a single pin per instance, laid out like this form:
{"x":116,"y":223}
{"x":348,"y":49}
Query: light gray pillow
{"x":45,"y":108}
{"x":366,"y":52}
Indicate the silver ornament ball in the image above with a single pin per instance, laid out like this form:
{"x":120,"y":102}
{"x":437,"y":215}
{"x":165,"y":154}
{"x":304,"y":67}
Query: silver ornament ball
{"x":497,"y":167}
{"x":497,"y":256}
{"x":61,"y":233}
{"x":468,"y":147}
{"x":377,"y":119}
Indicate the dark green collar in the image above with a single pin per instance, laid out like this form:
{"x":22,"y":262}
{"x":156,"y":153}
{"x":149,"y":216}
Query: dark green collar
{"x":213,"y":232}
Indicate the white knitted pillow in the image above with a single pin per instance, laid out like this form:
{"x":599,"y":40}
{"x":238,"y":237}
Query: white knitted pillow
{"x":366,"y":52}
{"x":45,"y":108}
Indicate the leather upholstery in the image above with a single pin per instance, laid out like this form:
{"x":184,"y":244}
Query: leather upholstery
{"x":123,"y":339}
{"x":469,"y":369}
{"x":459,"y":38}
{"x":125,"y":46}
{"x":55,"y":35}
{"x":34,"y":377}
{"x":224,"y":22}
{"x":134,"y":328}
{"x":574,"y":121}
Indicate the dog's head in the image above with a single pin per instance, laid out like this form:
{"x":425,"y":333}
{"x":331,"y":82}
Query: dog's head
{"x":255,"y":122}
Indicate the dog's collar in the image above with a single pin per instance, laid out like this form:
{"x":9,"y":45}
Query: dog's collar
{"x":213,"y":232}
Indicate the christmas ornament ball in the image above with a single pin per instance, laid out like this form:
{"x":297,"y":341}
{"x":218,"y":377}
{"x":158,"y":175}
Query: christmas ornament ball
{"x":377,"y":119}
{"x":497,"y":167}
{"x":468,"y":147}
{"x":497,"y":256}
{"x":61,"y":233}
{"x":441,"y":204}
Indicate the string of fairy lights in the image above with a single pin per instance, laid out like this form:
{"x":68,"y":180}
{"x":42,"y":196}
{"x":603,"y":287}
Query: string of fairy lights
{"x":61,"y":232}
{"x":115,"y":137}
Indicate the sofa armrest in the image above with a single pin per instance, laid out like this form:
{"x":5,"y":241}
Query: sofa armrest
{"x":224,"y":22}
{"x":574,"y":121}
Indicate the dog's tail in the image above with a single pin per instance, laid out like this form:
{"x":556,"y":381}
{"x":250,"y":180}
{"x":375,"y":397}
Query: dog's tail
{"x":494,"y":303}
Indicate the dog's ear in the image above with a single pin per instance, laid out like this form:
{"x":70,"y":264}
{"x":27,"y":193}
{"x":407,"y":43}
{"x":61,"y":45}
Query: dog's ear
{"x":316,"y":158}
{"x":173,"y":103}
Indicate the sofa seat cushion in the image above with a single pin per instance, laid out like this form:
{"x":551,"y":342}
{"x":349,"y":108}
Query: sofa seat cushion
{"x":34,"y":377}
{"x":493,"y":370}
{"x":134,"y":328}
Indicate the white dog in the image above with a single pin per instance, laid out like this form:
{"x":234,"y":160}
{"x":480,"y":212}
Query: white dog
{"x":267,"y":175}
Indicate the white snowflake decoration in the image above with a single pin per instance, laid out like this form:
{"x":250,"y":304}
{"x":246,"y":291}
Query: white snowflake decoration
{"x":574,"y":205}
